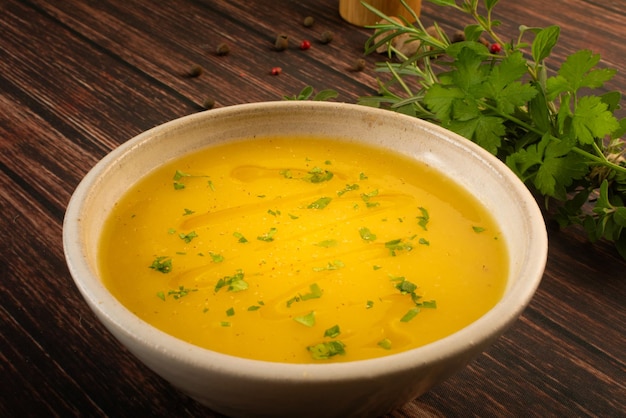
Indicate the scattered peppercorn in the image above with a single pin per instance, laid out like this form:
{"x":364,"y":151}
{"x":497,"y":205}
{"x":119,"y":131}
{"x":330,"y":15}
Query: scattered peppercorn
{"x":282,"y":42}
{"x":327,"y":37}
{"x":195,"y":71}
{"x":308,"y":21}
{"x":358,"y":65}
{"x":495,"y":48}
{"x":222,"y":49}
{"x":305,"y":45}
{"x":208,"y":103}
{"x":276,"y":70}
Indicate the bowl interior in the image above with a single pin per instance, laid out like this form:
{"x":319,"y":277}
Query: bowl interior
{"x":483,"y":175}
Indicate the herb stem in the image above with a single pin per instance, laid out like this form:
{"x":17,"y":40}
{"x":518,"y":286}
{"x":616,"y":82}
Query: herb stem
{"x":597,"y":159}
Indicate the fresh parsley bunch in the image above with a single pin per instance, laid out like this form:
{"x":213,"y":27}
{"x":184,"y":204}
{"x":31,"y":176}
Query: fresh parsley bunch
{"x":562,"y":140}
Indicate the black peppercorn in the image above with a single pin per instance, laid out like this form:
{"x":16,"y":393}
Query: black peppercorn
{"x":282,"y":42}
{"x":359,"y":65}
{"x":208,"y":103}
{"x":326,"y":37}
{"x":222,"y":49}
{"x":308,"y":21}
{"x":195,"y":71}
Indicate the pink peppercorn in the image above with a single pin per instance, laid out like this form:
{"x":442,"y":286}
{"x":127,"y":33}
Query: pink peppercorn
{"x":495,"y":48}
{"x":305,"y":44}
{"x":276,"y":70}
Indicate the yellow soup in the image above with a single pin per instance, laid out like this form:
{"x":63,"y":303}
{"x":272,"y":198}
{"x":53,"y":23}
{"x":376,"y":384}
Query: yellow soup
{"x":302,"y":250}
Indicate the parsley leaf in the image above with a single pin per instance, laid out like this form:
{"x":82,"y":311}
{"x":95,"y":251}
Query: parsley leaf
{"x":411,"y":313}
{"x":318,"y":175}
{"x":332,"y":332}
{"x":162,"y":264}
{"x":307,"y":320}
{"x":188,"y":237}
{"x":268,"y":236}
{"x":366,"y":234}
{"x":180,"y":292}
{"x":234,"y":283}
{"x":326,"y":350}
{"x":320,"y":203}
{"x":315,"y":292}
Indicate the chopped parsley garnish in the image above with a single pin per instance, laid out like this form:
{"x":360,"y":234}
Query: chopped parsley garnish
{"x":253,"y":308}
{"x":225,"y":324}
{"x":431,"y":304}
{"x":161,"y":295}
{"x":369,"y":304}
{"x":230,"y":311}
{"x":307,"y":320}
{"x":362,"y":176}
{"x":315,"y":292}
{"x":398,"y":245}
{"x":318,"y":175}
{"x":180,"y":292}
{"x":178,"y":185}
{"x":334,"y":265}
{"x":324,"y":351}
{"x":320,"y":203}
{"x":240,"y":238}
{"x":348,"y":188}
{"x":180,"y":174}
{"x":286,"y":173}
{"x":366,"y":234}
{"x":404,"y":286}
{"x":273,"y":212}
{"x":235,"y":283}
{"x":332,"y":332}
{"x":293,"y":216}
{"x":327,"y":243}
{"x":385,"y":343}
{"x":188,"y":237}
{"x":408,"y":288}
{"x":162,"y":264}
{"x":188,"y":212}
{"x":268,"y":236}
{"x":478,"y":229}
{"x":412,"y":313}
{"x":216,"y":258}
{"x":423,"y":219}
{"x":424,"y":241}
{"x":293,"y":300}
{"x":366,"y":197}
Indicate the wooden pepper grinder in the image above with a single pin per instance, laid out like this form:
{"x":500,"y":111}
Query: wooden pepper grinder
{"x":354,"y":12}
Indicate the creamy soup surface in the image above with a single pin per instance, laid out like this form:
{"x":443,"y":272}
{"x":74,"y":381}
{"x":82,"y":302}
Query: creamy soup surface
{"x":302,"y":250}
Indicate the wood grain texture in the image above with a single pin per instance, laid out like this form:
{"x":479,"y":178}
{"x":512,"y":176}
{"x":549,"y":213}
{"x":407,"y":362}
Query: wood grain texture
{"x":78,"y":78}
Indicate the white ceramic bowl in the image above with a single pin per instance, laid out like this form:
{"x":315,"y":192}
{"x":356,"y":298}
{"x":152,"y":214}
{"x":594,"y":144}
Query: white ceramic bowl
{"x":243,"y":387}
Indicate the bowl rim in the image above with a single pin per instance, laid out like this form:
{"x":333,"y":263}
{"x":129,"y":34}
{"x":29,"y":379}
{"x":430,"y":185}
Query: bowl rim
{"x":493,"y":323}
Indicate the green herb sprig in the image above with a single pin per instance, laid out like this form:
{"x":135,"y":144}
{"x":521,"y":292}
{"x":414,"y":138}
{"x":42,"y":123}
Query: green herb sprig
{"x":548,"y":125}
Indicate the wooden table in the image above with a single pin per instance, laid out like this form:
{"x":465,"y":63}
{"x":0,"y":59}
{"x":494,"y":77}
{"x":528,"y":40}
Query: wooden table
{"x":78,"y":78}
